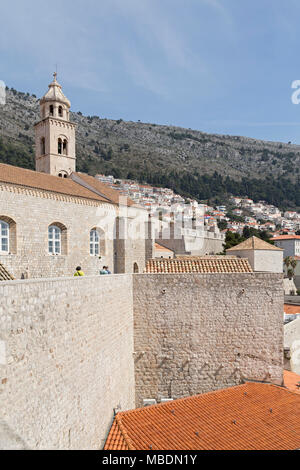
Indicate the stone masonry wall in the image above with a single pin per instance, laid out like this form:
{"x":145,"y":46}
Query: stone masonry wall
{"x":195,"y":333}
{"x":32,"y":211}
{"x":66,"y":360}
{"x":73,"y":349}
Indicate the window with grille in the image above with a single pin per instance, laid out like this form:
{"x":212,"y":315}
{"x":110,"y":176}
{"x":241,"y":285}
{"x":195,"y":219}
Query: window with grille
{"x":54,"y":240}
{"x":94,"y":243}
{"x":4,"y":237}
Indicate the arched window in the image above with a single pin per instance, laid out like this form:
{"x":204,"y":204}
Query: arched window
{"x":63,"y":174}
{"x":59,"y":147}
{"x":51,"y":110}
{"x":8,"y":235}
{"x":4,"y":237}
{"x":94,"y":243}
{"x":135,"y":268}
{"x":54,"y":240}
{"x":65,"y":147}
{"x":43,"y":149}
{"x":60,"y":111}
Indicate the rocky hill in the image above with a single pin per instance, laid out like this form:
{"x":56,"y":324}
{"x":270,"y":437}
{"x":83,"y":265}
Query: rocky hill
{"x":192,"y":162}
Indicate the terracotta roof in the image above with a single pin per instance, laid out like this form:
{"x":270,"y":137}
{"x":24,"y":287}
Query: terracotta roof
{"x":209,"y":264}
{"x":291,"y":309}
{"x":33,"y":179}
{"x":159,"y":247}
{"x":4,"y":274}
{"x":106,"y":192}
{"x":253,"y":416}
{"x":291,"y":381}
{"x":286,"y":237}
{"x":254,"y":243}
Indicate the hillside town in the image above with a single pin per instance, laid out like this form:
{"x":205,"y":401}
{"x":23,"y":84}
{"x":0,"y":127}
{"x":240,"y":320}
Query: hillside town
{"x":238,"y":213}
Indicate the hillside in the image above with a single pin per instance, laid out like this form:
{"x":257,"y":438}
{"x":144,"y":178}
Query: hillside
{"x":193,"y":163}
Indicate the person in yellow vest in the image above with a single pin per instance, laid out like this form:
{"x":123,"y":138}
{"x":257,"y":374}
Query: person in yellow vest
{"x":79,"y":272}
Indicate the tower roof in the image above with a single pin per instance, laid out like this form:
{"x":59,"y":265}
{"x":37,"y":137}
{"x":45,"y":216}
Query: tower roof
{"x":55,"y":93}
{"x":254,"y":243}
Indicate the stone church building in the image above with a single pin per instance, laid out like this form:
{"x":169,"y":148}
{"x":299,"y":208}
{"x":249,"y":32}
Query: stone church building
{"x":54,"y":219}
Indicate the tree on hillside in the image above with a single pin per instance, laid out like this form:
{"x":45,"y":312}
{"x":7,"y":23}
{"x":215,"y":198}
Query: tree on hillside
{"x":253,"y":232}
{"x":290,"y":264}
{"x":232,"y":239}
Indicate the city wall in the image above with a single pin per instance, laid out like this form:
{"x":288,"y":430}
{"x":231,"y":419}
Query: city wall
{"x":73,"y":350}
{"x":66,"y":360}
{"x":199,"y":332}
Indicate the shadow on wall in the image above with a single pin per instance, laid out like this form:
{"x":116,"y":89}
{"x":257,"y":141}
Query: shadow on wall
{"x":9,"y":440}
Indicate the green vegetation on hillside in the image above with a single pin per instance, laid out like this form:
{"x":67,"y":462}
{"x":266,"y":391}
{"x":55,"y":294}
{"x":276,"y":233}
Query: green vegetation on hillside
{"x":233,"y":239}
{"x":207,"y":167}
{"x":16,"y":154}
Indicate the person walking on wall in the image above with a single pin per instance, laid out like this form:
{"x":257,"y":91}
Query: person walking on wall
{"x":103,"y":270}
{"x":79,"y":272}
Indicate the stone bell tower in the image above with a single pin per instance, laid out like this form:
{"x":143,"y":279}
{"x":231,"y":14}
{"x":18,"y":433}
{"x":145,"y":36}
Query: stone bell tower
{"x":55,"y":134}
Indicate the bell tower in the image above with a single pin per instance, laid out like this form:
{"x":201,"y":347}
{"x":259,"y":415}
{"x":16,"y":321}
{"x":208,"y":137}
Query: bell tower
{"x":55,"y":134}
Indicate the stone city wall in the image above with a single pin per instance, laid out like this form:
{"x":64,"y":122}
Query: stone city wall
{"x":66,"y":360}
{"x":199,"y":332}
{"x":73,"y":349}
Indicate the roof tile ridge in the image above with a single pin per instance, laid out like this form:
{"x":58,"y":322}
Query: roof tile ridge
{"x":87,"y":186}
{"x":52,"y":191}
{"x":123,"y":432}
{"x":183,"y":399}
{"x":286,"y":389}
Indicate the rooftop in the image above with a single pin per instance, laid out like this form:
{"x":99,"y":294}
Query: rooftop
{"x":209,"y":264}
{"x":88,"y":187}
{"x":254,"y":243}
{"x":159,"y":247}
{"x":292,"y":381}
{"x":286,"y":237}
{"x":291,"y":309}
{"x":253,"y":416}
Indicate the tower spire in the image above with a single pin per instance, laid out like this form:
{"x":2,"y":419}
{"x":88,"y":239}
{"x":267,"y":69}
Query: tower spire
{"x":55,"y":134}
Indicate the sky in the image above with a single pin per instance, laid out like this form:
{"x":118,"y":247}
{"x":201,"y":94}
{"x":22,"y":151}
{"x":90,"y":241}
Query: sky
{"x":219,"y":66}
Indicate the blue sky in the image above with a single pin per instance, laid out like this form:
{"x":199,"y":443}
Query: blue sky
{"x":223,"y":66}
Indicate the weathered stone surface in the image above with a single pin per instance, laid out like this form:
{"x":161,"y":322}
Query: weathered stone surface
{"x":67,"y":360}
{"x":73,"y":349}
{"x":198,"y":332}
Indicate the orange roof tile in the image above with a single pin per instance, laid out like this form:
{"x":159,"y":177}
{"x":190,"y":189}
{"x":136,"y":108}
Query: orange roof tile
{"x":107,"y":192}
{"x":69,"y":186}
{"x":205,"y":264}
{"x":286,"y":237}
{"x":33,"y":179}
{"x":291,"y":309}
{"x":159,"y":247}
{"x":291,"y":381}
{"x":253,"y":416}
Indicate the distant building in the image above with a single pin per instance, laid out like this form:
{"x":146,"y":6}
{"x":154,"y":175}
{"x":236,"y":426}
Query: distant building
{"x":289,"y":243}
{"x":262,"y":256}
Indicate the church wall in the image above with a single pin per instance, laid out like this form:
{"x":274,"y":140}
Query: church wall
{"x":199,"y":332}
{"x":66,"y":360}
{"x":33,"y":211}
